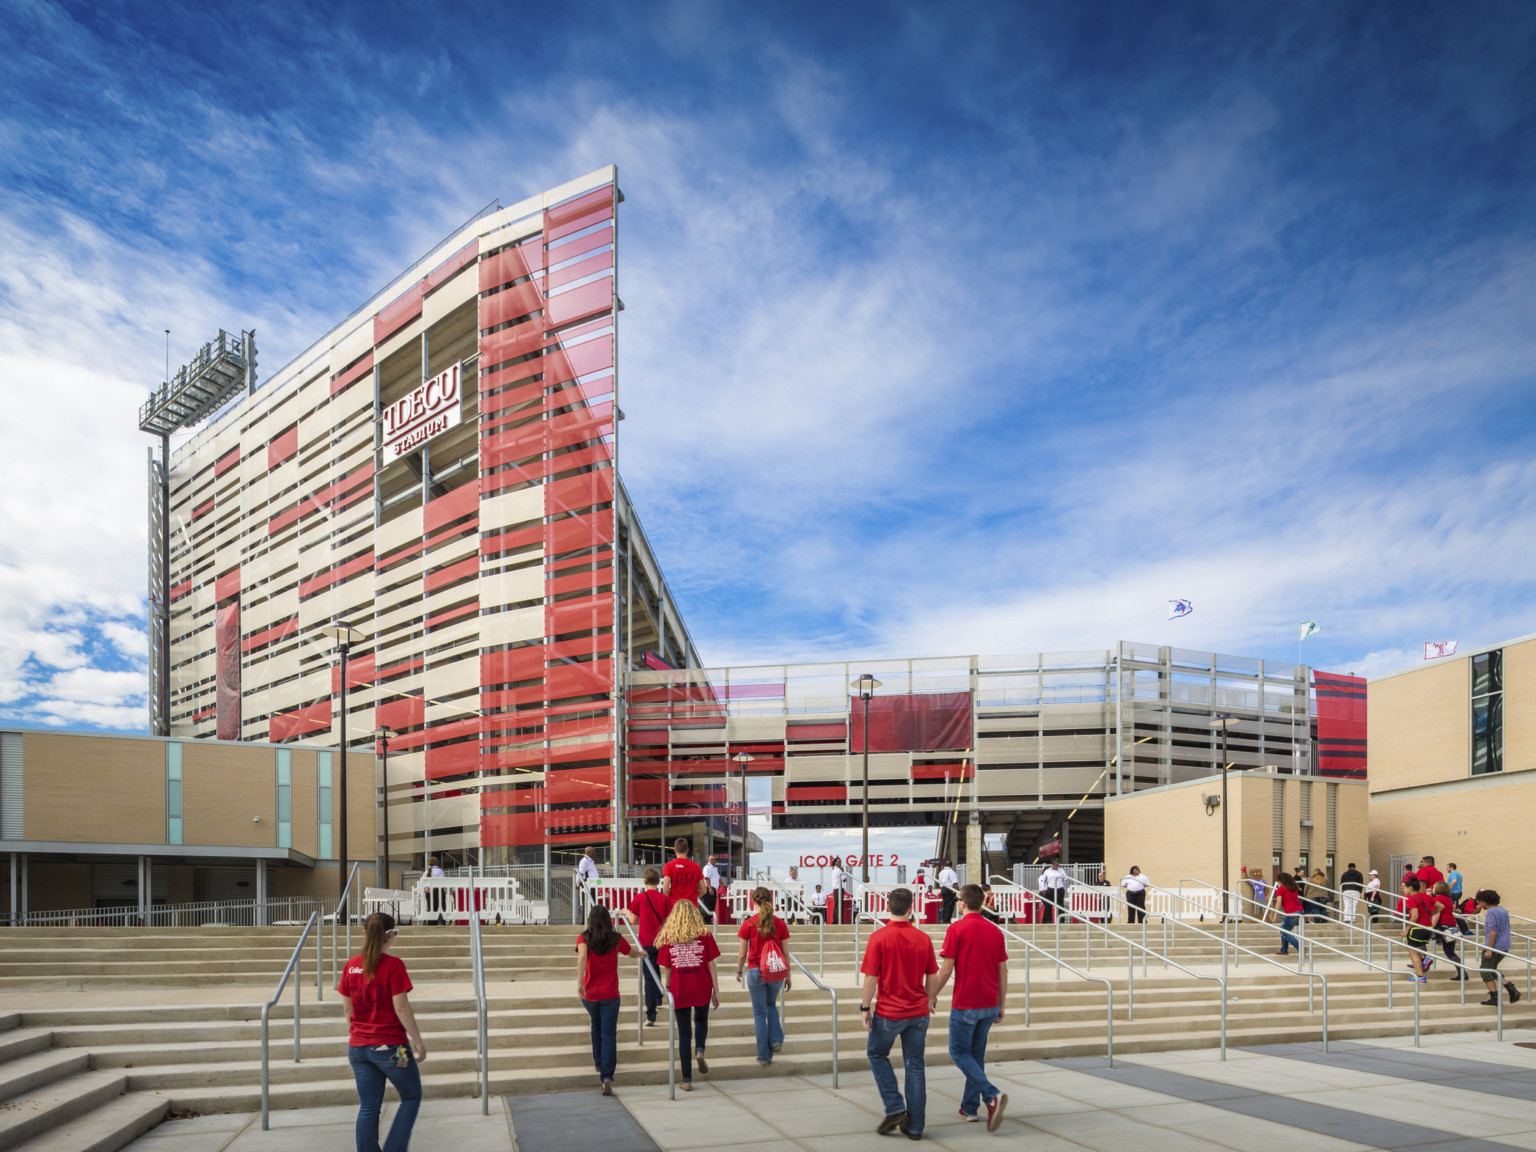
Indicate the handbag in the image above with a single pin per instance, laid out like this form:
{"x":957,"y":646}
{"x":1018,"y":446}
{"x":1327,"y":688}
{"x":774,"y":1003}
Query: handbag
{"x":772,"y":962}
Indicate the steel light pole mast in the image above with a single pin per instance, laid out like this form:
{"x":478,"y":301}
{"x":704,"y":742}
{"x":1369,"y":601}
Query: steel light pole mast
{"x":346,"y":636}
{"x":383,"y":735}
{"x":743,"y":759}
{"x":866,"y":685}
{"x":1224,"y":721}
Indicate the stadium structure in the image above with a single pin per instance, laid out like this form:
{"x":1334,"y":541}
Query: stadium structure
{"x":440,"y":473}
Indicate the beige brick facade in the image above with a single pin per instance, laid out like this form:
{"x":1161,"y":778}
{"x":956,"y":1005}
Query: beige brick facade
{"x":93,"y":788}
{"x":1420,"y":726}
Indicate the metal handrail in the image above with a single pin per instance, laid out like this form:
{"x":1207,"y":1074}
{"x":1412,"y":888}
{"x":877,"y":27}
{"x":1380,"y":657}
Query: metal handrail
{"x":335,"y":916}
{"x":831,"y":992}
{"x":168,"y":915}
{"x":482,"y":1013}
{"x":266,"y":1009}
{"x":645,"y":962}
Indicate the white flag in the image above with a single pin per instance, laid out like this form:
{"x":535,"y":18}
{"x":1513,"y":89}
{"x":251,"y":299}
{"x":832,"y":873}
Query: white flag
{"x":1435,"y":649}
{"x":1308,"y":627}
{"x":1178,"y":608}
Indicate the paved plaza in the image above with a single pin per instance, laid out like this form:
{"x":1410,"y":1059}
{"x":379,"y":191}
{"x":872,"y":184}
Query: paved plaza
{"x":1455,"y":1093}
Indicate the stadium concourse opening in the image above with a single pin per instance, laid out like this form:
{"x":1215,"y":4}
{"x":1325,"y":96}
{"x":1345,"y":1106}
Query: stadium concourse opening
{"x":439,"y":472}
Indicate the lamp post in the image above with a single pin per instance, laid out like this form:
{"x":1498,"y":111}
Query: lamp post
{"x":346,"y":636}
{"x":1224,"y":721}
{"x":743,"y":759}
{"x":866,"y":684}
{"x":383,"y":735}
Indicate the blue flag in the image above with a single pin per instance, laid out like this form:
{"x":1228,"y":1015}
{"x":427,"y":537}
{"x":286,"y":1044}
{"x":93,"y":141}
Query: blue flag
{"x":1178,"y":608}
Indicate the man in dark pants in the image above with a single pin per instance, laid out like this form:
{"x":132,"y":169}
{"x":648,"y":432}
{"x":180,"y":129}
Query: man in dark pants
{"x":648,"y":912}
{"x":949,"y":887}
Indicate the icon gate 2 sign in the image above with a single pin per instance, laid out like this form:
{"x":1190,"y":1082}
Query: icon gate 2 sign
{"x":421,"y":414}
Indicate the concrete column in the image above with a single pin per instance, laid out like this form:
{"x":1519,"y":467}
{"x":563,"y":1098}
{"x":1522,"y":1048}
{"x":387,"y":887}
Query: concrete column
{"x":146,"y":897}
{"x":15,"y":896}
{"x":24,"y":886}
{"x":975,"y":866}
{"x":261,"y":894}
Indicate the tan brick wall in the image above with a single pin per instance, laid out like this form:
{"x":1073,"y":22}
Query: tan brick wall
{"x":1520,"y":707}
{"x":224,"y":787}
{"x":93,"y":788}
{"x":1167,"y":833}
{"x":1420,"y":726}
{"x":1484,"y":826}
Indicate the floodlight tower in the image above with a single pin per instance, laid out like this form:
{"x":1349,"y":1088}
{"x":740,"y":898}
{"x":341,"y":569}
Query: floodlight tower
{"x":222,"y":368}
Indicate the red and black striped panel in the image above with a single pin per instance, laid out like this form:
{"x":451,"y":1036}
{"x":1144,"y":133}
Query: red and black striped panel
{"x":1341,"y":724}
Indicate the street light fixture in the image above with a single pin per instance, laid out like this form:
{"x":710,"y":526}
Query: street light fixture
{"x":866,"y":685}
{"x":346,"y":636}
{"x":743,"y":759}
{"x":383,"y":736}
{"x":1224,"y":722}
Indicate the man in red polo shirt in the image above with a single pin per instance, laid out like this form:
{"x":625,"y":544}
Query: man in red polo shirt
{"x":899,"y":982}
{"x":1428,"y":874}
{"x":975,"y":954}
{"x":681,"y":877}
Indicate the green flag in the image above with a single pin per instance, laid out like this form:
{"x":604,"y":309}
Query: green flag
{"x":1308,"y":627}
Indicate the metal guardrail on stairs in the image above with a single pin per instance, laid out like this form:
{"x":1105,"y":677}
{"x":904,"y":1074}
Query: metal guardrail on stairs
{"x":294,"y":964}
{"x":646,"y":963}
{"x":482,"y":1012}
{"x":341,"y":909}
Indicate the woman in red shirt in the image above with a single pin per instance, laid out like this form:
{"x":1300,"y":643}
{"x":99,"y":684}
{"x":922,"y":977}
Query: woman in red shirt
{"x":383,"y":1042}
{"x":755,"y":934}
{"x":597,"y":983}
{"x":687,"y":952}
{"x":1286,"y":891}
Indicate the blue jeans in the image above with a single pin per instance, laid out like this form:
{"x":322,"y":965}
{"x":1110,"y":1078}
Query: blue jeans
{"x":605,"y":1034}
{"x":371,"y":1066}
{"x":968,"y":1028}
{"x":914,"y":1034}
{"x":1287,"y":937}
{"x":765,"y":1013}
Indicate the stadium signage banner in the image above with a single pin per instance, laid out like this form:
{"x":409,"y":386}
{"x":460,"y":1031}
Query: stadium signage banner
{"x":421,"y":414}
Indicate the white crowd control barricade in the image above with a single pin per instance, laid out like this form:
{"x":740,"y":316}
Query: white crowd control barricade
{"x":611,"y":894}
{"x":495,"y":899}
{"x":398,"y":902}
{"x":1192,"y":902}
{"x":789,"y":899}
{"x":1089,"y":902}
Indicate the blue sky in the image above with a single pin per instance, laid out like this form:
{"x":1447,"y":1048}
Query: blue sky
{"x":950,"y":328}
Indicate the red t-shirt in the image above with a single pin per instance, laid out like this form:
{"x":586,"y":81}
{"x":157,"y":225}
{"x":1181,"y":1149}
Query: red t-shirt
{"x":602,"y":974}
{"x":1290,"y":903}
{"x":1420,"y":909}
{"x":1445,"y":907}
{"x":1429,"y":876}
{"x":373,"y":1001}
{"x":649,"y":911}
{"x":899,"y":956}
{"x":691,"y":986}
{"x":976,"y":945}
{"x":755,"y":939}
{"x":686,"y":876}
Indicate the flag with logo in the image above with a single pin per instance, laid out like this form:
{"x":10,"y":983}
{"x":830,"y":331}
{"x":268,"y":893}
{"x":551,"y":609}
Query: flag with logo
{"x":1308,"y":627}
{"x":1177,"y":608}
{"x":1435,"y":649}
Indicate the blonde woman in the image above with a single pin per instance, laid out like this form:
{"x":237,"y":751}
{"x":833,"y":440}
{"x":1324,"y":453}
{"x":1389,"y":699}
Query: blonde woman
{"x":687,"y":952}
{"x":763,"y":982}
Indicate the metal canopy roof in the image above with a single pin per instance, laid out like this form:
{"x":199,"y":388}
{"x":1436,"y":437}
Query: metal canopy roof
{"x":221,"y":369}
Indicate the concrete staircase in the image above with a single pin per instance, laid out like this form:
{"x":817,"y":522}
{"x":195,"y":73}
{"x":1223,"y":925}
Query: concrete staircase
{"x":56,"y":1099}
{"x":206,"y":1057}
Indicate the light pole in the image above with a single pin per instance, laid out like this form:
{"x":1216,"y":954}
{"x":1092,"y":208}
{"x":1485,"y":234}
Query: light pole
{"x":346,"y":636}
{"x":383,"y":735}
{"x":1224,"y":721}
{"x":743,"y":759}
{"x":866,"y":684}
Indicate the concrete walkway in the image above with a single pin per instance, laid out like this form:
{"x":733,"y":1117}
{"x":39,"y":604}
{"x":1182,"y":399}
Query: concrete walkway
{"x":1457,"y":1093}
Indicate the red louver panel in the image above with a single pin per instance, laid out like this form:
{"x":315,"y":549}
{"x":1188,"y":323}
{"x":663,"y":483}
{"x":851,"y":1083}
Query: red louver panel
{"x":226,"y":635}
{"x":446,"y":509}
{"x":928,"y":722}
{"x":300,"y":722}
{"x":394,"y":316}
{"x":226,"y":461}
{"x":353,"y":373}
{"x":284,"y":445}
{"x":227,"y":586}
{"x":452,"y":266}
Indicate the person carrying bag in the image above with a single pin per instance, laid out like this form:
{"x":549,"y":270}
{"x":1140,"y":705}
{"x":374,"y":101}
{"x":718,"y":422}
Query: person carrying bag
{"x":764,"y":958}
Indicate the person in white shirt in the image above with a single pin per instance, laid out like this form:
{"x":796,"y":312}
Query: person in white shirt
{"x":1053,"y":886}
{"x":435,"y":895}
{"x":1135,"y":885}
{"x":709,"y":895}
{"x":586,"y":867}
{"x":1372,"y":897}
{"x":949,"y":889}
{"x":837,"y":889}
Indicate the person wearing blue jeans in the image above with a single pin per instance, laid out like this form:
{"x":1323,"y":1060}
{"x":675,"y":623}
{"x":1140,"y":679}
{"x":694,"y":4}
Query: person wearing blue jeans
{"x":371,"y":1067}
{"x":762,"y":933}
{"x":765,"y":1015}
{"x":604,"y":1015}
{"x":976,"y":955}
{"x":900,"y":987}
{"x":1287,"y":936}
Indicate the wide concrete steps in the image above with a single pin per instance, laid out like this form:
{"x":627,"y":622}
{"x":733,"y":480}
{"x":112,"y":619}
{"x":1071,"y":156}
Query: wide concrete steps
{"x":52,"y":1100}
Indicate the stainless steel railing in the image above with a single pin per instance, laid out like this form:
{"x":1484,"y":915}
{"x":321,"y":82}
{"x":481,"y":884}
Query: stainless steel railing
{"x":482,"y":1012}
{"x":266,"y":1009}
{"x":341,"y":909}
{"x":647,"y":964}
{"x":200,"y":913}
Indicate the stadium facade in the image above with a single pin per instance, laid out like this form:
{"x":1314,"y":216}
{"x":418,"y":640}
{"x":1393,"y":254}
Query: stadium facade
{"x":440,"y":471}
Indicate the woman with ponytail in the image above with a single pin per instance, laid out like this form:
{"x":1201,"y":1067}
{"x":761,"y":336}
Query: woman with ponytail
{"x":383,"y":1042}
{"x":763,"y":987}
{"x":597,"y":983}
{"x":687,"y":952}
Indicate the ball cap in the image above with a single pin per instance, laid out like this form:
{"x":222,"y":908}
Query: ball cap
{"x":1374,"y":872}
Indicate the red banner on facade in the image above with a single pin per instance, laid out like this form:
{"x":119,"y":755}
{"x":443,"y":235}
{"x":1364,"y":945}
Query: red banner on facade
{"x":921,"y":722}
{"x":226,"y":635}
